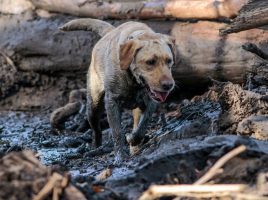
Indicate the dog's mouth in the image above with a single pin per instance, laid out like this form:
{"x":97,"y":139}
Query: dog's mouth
{"x":157,"y":96}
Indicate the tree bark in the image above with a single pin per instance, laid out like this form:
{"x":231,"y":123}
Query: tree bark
{"x":180,"y":9}
{"x":204,"y":54}
{"x":252,"y":15}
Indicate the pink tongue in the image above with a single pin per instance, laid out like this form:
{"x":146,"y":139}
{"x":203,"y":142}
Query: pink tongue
{"x":161,"y":95}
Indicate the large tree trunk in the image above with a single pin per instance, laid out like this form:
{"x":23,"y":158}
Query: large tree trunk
{"x":204,"y":54}
{"x":252,"y":15}
{"x":180,"y":9}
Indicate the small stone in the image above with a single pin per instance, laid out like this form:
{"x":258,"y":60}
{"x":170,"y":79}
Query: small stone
{"x":48,"y":143}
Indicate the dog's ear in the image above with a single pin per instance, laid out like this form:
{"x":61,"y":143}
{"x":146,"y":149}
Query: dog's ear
{"x":171,"y":41}
{"x":127,"y":53}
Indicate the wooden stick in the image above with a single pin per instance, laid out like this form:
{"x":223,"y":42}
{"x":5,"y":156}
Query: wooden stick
{"x":55,"y":185}
{"x":191,"y":190}
{"x":48,"y":188}
{"x":216,"y":167}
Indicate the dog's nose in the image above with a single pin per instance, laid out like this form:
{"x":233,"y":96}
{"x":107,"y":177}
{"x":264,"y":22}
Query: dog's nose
{"x":167,"y":84}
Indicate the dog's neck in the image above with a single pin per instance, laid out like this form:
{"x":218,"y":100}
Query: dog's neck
{"x":136,"y":76}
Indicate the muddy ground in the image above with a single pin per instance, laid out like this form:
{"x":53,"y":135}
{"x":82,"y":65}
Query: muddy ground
{"x":179,"y":150}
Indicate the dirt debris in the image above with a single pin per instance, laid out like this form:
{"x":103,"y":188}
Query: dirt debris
{"x":255,"y":126}
{"x":23,"y":177}
{"x":238,"y":104}
{"x":177,"y":152}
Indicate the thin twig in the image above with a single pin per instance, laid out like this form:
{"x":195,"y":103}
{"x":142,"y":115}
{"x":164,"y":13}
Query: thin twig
{"x":48,"y":188}
{"x":9,"y":61}
{"x":215,"y":169}
{"x":55,"y":185}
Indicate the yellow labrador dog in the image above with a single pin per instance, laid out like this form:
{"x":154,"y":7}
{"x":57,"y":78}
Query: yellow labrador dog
{"x":130,"y":68}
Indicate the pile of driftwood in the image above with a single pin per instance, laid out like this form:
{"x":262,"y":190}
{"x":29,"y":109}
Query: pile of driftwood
{"x":24,"y":177}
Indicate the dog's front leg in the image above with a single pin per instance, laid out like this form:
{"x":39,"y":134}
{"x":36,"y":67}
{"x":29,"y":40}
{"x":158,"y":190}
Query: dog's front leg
{"x":138,"y":134}
{"x":114,"y":119}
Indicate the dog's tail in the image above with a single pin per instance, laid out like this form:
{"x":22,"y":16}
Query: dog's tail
{"x":95,"y":25}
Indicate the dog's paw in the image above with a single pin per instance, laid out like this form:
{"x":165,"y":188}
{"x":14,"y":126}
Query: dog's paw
{"x":134,"y":138}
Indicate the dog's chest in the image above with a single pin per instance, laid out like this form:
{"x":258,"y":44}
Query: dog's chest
{"x":132,"y":98}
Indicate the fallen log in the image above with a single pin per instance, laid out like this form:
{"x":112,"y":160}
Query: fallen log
{"x":252,"y":15}
{"x":203,"y":53}
{"x":180,"y":9}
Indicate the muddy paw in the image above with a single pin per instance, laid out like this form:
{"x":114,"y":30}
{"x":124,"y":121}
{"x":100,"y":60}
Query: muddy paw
{"x":134,"y":138}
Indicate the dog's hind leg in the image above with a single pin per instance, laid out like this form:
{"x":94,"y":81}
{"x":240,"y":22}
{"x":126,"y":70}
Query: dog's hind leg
{"x":95,"y":106}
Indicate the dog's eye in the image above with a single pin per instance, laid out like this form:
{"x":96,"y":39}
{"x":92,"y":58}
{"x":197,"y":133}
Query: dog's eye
{"x":151,"y":62}
{"x":168,"y":60}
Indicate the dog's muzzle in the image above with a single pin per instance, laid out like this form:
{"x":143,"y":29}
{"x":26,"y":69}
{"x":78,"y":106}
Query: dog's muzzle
{"x":156,"y":96}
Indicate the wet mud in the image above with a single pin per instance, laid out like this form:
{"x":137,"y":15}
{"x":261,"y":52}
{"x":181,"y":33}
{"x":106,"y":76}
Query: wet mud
{"x":176,"y":151}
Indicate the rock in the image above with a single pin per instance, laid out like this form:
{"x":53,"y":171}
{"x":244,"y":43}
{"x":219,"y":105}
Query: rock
{"x":255,"y":126}
{"x":48,"y":143}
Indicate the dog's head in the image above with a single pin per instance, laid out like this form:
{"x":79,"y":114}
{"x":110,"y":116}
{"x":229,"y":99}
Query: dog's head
{"x":150,"y":58}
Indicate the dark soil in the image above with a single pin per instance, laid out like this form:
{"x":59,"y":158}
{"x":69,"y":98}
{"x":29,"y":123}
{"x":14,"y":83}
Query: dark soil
{"x":176,"y":152}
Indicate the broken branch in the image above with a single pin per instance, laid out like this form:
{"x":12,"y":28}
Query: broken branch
{"x":252,"y":15}
{"x":214,"y":170}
